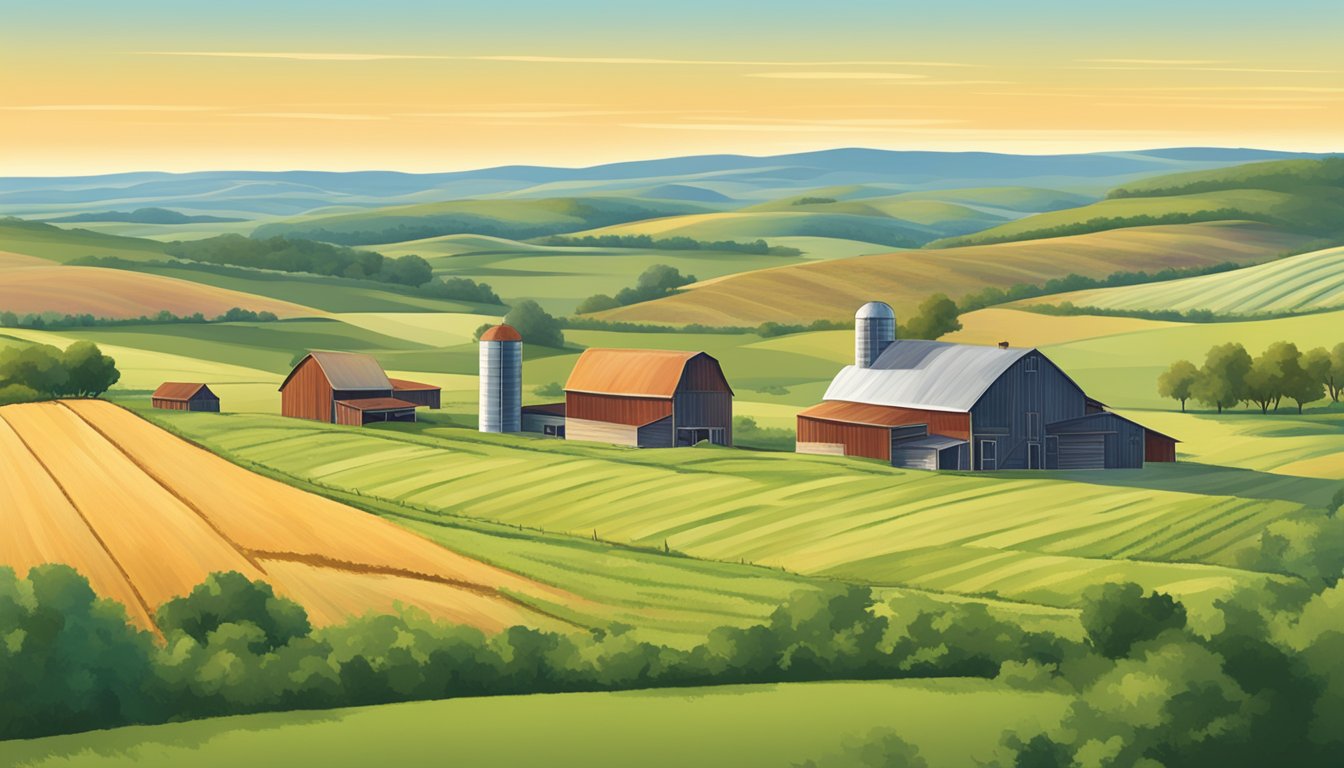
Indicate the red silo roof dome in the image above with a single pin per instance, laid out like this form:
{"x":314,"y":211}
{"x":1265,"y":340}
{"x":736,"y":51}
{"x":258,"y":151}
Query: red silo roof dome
{"x":502,"y":333}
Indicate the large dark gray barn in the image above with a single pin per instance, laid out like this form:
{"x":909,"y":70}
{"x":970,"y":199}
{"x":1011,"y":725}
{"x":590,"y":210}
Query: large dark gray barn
{"x":935,"y":405}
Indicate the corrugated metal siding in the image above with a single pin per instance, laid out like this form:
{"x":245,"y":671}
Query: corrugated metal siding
{"x":1001,"y":413}
{"x":1122,"y":440}
{"x":601,"y":432}
{"x":704,"y":409}
{"x":659,"y":434}
{"x":914,"y":458}
{"x":632,"y":411}
{"x":537,"y":422}
{"x":1082,"y":451}
{"x":703,"y":374}
{"x":925,"y":374}
{"x":956,"y":425}
{"x":501,"y":386}
{"x":352,"y":370}
{"x":858,"y":439}
{"x":425,"y":397}
{"x":169,"y":405}
{"x":1158,"y":447}
{"x":630,"y":372}
{"x":306,"y":394}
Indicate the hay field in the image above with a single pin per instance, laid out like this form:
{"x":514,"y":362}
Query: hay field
{"x":169,"y":513}
{"x":1305,"y":283}
{"x":834,"y":289}
{"x":118,"y":293}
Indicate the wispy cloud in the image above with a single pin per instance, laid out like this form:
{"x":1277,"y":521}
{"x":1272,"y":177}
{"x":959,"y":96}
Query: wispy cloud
{"x":531,"y":59}
{"x":110,"y":108}
{"x":837,"y":75}
{"x":551,"y":114}
{"x":1191,"y":62}
{"x":311,"y":116}
{"x":1243,"y":70}
{"x":783,"y":125}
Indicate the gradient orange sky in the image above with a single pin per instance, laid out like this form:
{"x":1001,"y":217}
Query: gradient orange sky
{"x":90,"y":87}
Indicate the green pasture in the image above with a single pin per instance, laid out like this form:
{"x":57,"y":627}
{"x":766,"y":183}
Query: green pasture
{"x":953,"y":722}
{"x":64,"y":244}
{"x":1306,"y":283}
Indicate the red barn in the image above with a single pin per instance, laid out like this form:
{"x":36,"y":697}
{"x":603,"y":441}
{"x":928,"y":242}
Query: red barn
{"x":181,"y":396}
{"x":648,"y":399}
{"x":349,"y":388}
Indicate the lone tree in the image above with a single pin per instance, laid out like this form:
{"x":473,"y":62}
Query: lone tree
{"x":1178,"y":381}
{"x":1222,"y":380}
{"x":536,"y":325}
{"x":937,"y":316}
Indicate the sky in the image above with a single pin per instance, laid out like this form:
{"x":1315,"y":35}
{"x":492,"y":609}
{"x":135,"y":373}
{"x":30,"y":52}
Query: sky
{"x":89,"y":86}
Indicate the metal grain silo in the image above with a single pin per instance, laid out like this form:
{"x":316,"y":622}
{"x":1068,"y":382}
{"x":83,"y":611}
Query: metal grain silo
{"x":874,"y":329}
{"x":501,"y":404}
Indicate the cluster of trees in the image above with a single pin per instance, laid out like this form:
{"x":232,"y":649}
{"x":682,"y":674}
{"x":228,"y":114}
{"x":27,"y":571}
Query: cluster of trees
{"x":231,"y":646}
{"x":41,"y":372}
{"x":460,"y":289}
{"x":748,"y":434}
{"x":991,"y":296}
{"x":285,"y":255}
{"x":655,"y":282}
{"x":536,"y":325}
{"x":813,"y":201}
{"x":52,"y":320}
{"x":1230,"y":376}
{"x":1259,"y":686}
{"x":679,"y":243}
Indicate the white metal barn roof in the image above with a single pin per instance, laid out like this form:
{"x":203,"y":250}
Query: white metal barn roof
{"x":930,"y":375}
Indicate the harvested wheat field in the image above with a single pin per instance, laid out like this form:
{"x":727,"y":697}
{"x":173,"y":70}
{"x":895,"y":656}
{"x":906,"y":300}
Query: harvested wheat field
{"x":147,"y":516}
{"x":118,"y":293}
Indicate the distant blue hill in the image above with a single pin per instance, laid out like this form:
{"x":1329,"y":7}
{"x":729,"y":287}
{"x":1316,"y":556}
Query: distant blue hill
{"x":143,"y":216}
{"x":714,"y":179}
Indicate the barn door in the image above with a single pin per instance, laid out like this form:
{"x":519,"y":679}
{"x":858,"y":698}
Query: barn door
{"x":1082,"y":451}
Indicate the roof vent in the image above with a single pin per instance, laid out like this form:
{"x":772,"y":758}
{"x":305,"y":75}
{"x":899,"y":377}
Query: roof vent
{"x":1003,"y":345}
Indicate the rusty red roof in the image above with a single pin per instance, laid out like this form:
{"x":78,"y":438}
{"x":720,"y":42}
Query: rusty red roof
{"x":405,"y":385}
{"x":858,"y":413}
{"x":550,"y":409}
{"x":377,"y":404}
{"x":177,"y":390}
{"x":502,"y":332}
{"x":631,"y":372}
{"x":346,"y":370}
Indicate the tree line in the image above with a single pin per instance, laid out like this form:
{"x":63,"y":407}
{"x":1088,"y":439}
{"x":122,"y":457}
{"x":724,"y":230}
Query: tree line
{"x":42,"y":372}
{"x":1230,"y":376}
{"x":54,"y":320}
{"x":678,"y":243}
{"x":1259,"y":686}
{"x":656,"y":282}
{"x":286,"y":255}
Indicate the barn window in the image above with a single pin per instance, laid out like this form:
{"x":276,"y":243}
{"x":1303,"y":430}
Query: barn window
{"x":1031,"y":364}
{"x":1033,"y":425}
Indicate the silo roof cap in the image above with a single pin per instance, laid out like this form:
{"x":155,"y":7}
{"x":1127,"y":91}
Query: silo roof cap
{"x":502,"y":332}
{"x":875,"y":309}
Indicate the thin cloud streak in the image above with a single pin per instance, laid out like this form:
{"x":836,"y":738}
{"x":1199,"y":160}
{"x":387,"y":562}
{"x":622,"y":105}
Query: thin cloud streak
{"x":311,"y":116}
{"x":837,"y":75}
{"x":110,"y":108}
{"x":528,"y":59}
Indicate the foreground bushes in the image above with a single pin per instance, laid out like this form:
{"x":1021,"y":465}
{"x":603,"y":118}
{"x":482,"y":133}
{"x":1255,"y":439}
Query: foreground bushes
{"x":69,"y":661}
{"x":40,"y":372}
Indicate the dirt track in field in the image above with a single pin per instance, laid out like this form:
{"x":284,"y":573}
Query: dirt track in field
{"x":146,"y":516}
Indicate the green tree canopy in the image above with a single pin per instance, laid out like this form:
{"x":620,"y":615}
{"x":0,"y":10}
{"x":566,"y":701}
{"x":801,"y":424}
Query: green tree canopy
{"x":1178,"y":381}
{"x":1222,"y":379}
{"x":938,"y":315}
{"x":536,"y":325}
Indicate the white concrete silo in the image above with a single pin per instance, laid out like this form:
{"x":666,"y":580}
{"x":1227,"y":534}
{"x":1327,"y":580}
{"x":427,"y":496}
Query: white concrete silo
{"x":501,"y":374}
{"x":874,"y":329}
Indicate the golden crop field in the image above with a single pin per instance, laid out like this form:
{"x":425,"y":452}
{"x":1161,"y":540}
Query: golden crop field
{"x":117,"y":293}
{"x":147,"y":516}
{"x":834,"y":289}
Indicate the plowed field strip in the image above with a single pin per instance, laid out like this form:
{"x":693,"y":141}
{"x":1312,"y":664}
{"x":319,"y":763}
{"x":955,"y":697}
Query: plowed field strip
{"x":58,"y":532}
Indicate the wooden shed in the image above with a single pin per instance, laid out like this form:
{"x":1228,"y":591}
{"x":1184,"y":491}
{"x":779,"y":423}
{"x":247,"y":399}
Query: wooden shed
{"x":182,"y":396}
{"x":415,"y":392}
{"x":648,"y":399}
{"x":357,"y":413}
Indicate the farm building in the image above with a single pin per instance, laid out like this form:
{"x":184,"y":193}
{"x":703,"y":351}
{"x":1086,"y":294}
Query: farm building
{"x":646,"y":399}
{"x":350,"y":388}
{"x":548,"y":419}
{"x":501,"y":380}
{"x":934,"y":405}
{"x":180,"y":396}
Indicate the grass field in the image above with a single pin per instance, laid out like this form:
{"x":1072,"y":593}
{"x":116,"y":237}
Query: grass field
{"x":751,"y":225}
{"x":168,"y":514}
{"x":1309,"y":282}
{"x":834,"y":289}
{"x":1176,"y":528}
{"x":954,"y":723}
{"x":61,"y":244}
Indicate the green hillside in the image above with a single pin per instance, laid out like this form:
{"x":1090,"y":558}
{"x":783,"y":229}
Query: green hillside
{"x":1309,"y":282}
{"x":751,"y":225}
{"x":47,"y":241}
{"x":518,"y":219}
{"x":954,"y":723}
{"x":1305,"y":196}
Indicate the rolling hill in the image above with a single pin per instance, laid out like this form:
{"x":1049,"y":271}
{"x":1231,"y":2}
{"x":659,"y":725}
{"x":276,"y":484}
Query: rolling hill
{"x":45,"y":241}
{"x":1305,"y":196}
{"x":752,"y":225}
{"x":1309,"y":282}
{"x":148,"y":516}
{"x":833,"y":289}
{"x":516,"y":219}
{"x":117,"y":293}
